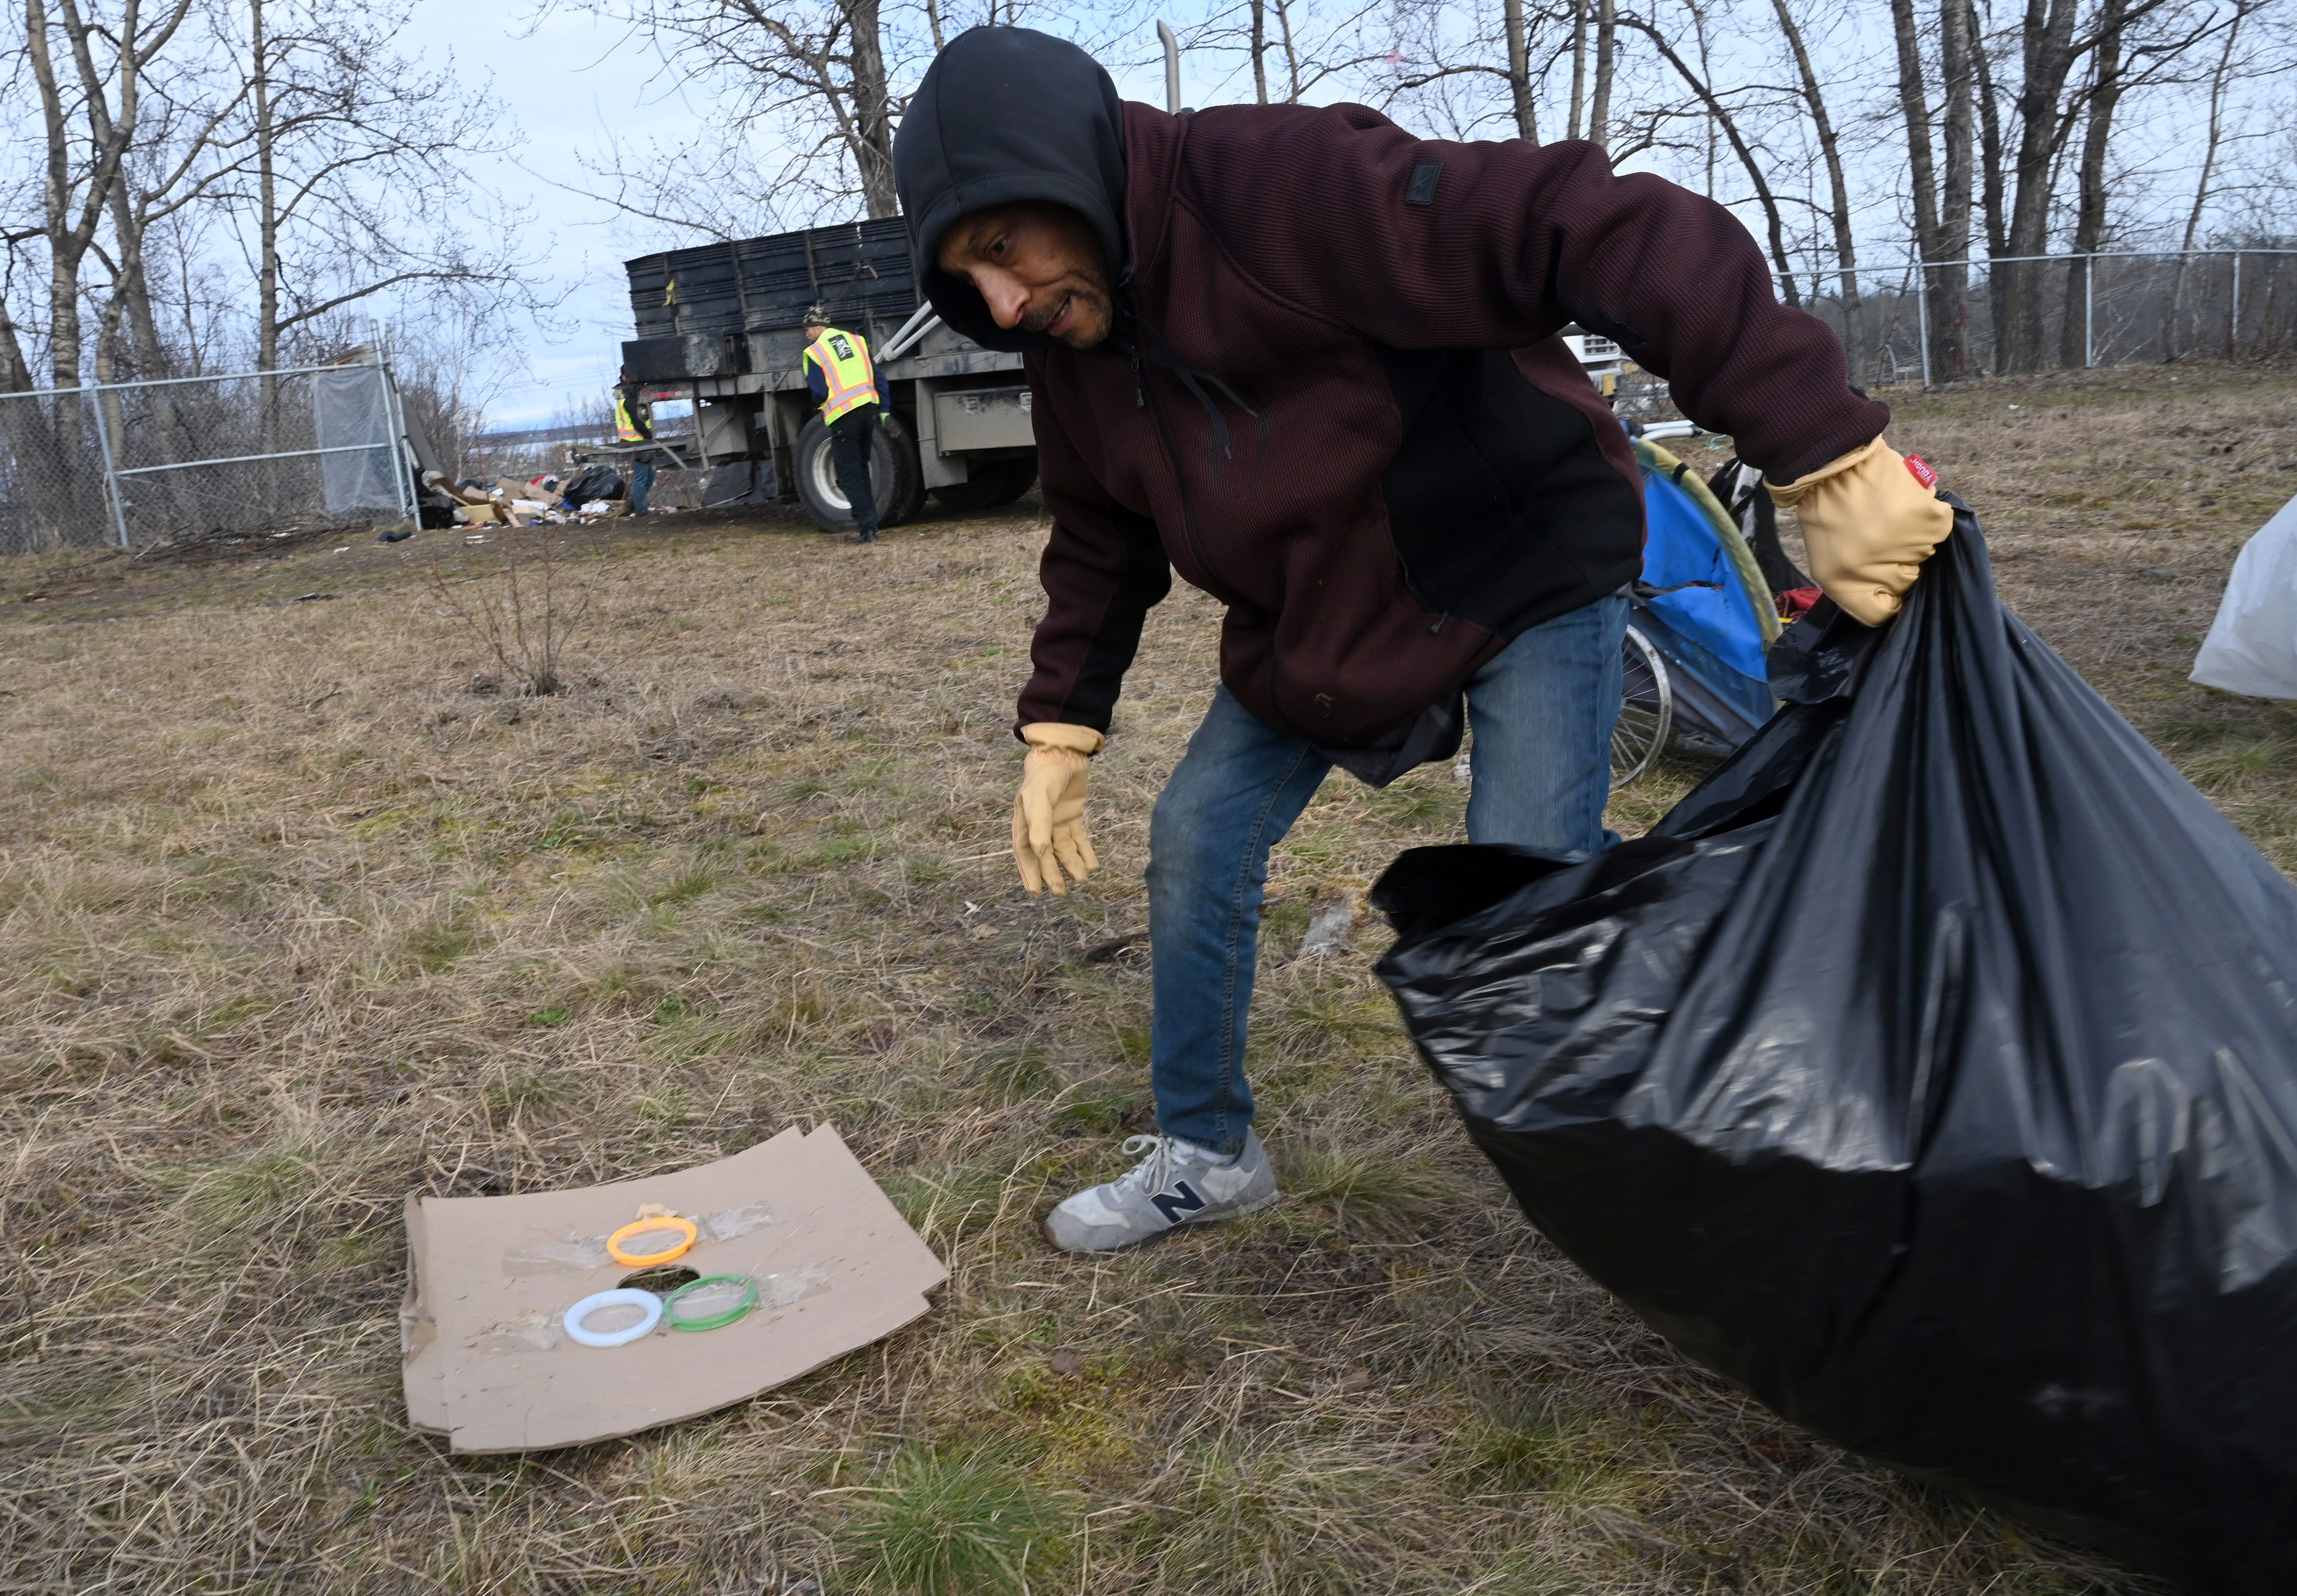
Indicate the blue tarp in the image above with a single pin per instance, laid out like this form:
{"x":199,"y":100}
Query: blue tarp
{"x":1718,"y":623}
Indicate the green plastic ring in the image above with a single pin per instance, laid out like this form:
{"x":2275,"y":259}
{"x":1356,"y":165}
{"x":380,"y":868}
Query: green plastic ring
{"x":714,"y":1322}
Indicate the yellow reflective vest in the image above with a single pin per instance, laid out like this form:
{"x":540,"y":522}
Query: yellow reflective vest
{"x":630,"y":427}
{"x":843,"y":359}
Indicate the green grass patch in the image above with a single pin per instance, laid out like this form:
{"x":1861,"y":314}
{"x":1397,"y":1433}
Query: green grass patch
{"x":528,"y":1092}
{"x":434,"y":945}
{"x":969,"y":1523}
{"x":261,"y":1187}
{"x":1366,"y":1186}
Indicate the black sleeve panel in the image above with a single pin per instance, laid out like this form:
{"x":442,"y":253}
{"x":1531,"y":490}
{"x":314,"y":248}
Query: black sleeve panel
{"x":1104,"y":566}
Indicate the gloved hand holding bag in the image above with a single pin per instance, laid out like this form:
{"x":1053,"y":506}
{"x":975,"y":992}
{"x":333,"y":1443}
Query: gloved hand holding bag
{"x":1869,"y":521}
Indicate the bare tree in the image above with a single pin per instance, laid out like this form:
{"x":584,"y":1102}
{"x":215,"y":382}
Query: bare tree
{"x":1607,"y":61}
{"x":1956,"y":67}
{"x":1994,"y":187}
{"x":807,"y":79}
{"x":88,"y":121}
{"x":1942,"y":213}
{"x":2104,"y":97}
{"x":2220,"y":80}
{"x":342,"y":142}
{"x":1577,"y":126}
{"x":1519,"y":70}
{"x":1856,"y":342}
{"x":1757,"y":177}
{"x":82,"y":173}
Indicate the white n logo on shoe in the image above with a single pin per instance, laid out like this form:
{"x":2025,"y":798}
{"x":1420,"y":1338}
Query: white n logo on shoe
{"x":1181,"y":1199}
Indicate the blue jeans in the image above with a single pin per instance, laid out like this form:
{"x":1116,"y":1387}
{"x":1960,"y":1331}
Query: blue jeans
{"x":641,"y":484}
{"x":1542,"y":713}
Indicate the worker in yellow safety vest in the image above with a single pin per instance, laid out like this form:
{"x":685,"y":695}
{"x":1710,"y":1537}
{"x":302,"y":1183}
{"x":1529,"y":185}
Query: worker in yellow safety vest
{"x":843,"y":383}
{"x":634,"y":424}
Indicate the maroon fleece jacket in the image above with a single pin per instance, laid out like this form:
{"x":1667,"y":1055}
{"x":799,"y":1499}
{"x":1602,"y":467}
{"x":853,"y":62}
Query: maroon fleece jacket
{"x":1400,"y":466}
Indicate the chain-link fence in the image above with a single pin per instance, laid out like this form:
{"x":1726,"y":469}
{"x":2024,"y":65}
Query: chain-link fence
{"x":191,"y":458}
{"x":1947,"y":322}
{"x":54,"y":491}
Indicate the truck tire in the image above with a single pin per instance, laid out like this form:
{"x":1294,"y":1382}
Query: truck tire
{"x":894,"y":471}
{"x":994,"y":482}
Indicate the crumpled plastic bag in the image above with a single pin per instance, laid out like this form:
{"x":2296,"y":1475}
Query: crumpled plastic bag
{"x":1930,"y":1072}
{"x":2251,"y":648}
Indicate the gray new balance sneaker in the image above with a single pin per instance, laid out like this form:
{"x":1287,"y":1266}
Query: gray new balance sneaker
{"x":1175,"y":1185}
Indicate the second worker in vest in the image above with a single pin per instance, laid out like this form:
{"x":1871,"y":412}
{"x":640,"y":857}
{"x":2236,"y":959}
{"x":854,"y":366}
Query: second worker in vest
{"x":634,"y":424}
{"x":844,"y":385}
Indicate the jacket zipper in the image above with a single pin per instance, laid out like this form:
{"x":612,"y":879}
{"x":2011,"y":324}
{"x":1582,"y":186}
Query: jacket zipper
{"x":1143,"y":398}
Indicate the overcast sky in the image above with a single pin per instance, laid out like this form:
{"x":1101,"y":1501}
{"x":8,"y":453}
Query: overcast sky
{"x":566,"y":81}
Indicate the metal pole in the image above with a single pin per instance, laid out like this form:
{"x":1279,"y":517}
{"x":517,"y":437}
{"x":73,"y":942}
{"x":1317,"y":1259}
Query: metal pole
{"x":1922,"y":317}
{"x":1172,"y":67}
{"x":2233,"y":323}
{"x":2089,"y":316}
{"x":395,"y":413}
{"x":284,"y":454}
{"x":110,"y":473}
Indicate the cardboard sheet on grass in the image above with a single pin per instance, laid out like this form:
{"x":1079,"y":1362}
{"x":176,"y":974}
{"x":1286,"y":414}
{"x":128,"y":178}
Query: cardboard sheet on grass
{"x":487,"y":1364}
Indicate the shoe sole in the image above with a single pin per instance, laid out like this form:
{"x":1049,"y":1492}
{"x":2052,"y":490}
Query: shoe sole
{"x":1257,"y":1205}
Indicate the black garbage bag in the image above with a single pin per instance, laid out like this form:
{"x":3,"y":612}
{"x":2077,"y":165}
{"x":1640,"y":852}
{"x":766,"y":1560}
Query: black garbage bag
{"x":595,"y":482}
{"x":1930,"y":1072}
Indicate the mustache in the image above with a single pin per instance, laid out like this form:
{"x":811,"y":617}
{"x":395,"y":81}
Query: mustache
{"x":1038,"y":320}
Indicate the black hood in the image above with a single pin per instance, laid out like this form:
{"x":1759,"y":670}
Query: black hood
{"x":1007,"y":114}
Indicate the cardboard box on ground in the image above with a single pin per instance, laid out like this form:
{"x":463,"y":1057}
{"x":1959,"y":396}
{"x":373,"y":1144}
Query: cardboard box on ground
{"x":487,"y":1361}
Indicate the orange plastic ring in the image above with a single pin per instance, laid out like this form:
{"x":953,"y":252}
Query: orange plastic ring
{"x":640,"y":1227}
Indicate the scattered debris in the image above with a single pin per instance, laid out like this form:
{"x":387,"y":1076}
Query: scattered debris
{"x":1101,"y":953}
{"x":398,"y":534}
{"x":308,"y":597}
{"x":1330,"y":924}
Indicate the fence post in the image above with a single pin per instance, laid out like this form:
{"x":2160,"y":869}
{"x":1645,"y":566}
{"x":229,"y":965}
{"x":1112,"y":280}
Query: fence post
{"x":2089,"y":314}
{"x":111,"y":470}
{"x":395,"y":418}
{"x":1922,"y":317}
{"x":2232,"y":322}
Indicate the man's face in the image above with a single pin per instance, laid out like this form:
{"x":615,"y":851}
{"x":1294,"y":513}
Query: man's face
{"x":814,"y":330}
{"x":1039,"y":266}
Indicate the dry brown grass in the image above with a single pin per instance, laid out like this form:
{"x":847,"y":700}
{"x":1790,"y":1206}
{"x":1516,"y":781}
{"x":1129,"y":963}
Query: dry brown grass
{"x":292,"y":921}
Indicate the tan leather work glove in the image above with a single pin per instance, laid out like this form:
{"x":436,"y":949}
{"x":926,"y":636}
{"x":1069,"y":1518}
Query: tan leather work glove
{"x":1048,"y":811}
{"x":1869,"y":519}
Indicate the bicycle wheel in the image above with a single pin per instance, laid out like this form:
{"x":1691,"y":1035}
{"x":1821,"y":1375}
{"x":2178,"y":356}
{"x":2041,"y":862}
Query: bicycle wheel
{"x":1646,"y":711}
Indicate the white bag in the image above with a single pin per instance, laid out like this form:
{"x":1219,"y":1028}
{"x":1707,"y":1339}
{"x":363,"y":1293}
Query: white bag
{"x":2251,"y":648}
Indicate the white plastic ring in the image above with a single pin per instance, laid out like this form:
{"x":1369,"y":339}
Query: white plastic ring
{"x":645,"y":1300}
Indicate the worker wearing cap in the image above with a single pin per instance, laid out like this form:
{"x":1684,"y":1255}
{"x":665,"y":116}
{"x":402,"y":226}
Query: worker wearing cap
{"x":634,"y":424}
{"x":1312,"y":363}
{"x":843,"y":383}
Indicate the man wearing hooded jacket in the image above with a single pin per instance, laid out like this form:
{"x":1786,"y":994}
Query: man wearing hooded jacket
{"x":1310,"y":362}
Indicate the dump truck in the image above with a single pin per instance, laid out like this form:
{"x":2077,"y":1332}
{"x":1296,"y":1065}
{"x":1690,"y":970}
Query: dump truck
{"x":719,"y":325}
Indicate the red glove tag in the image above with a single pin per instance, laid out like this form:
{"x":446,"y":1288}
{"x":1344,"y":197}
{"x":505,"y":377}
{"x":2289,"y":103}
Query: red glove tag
{"x":1920,"y":469}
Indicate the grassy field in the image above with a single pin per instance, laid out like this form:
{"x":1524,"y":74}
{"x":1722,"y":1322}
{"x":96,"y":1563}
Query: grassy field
{"x":300,"y":911}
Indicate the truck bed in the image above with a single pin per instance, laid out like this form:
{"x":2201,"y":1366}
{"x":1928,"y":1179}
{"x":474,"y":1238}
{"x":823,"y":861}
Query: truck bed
{"x":732,"y":309}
